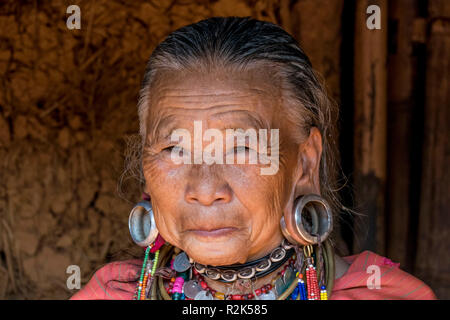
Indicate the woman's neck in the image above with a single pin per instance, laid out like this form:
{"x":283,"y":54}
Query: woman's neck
{"x":243,"y":286}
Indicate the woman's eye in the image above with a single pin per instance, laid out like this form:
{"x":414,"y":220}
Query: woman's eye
{"x":169,"y":149}
{"x":241,"y":149}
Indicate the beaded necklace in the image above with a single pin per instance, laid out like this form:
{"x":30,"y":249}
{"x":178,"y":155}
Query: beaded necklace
{"x":175,"y":285}
{"x":180,"y":286}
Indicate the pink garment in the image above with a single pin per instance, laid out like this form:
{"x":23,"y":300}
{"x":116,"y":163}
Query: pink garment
{"x":112,"y":281}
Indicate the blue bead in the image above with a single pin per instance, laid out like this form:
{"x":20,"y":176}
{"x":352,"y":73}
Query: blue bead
{"x":303,"y":294}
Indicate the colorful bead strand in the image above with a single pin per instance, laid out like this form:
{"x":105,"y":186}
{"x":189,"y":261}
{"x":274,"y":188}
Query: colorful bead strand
{"x":141,"y":278}
{"x":144,"y":285}
{"x":155,"y":263}
{"x":178,"y":288}
{"x":151,"y":278}
{"x":311,"y":282}
{"x":323,"y":293}
{"x":302,"y":295}
{"x":147,"y":275}
{"x":294,"y":294}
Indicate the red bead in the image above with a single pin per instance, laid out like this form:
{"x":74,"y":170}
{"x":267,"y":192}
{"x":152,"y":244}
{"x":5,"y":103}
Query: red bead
{"x":204,"y":285}
{"x":236,"y":297}
{"x":264,"y":290}
{"x":250,"y":296}
{"x":282,"y":272}
{"x":269,"y":287}
{"x":258,"y":292}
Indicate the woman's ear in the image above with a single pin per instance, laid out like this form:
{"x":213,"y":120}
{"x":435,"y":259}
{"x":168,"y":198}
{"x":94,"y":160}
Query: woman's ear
{"x":309,"y":154}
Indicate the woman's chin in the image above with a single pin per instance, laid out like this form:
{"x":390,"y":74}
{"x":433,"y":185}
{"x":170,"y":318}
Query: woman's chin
{"x":221,"y":252}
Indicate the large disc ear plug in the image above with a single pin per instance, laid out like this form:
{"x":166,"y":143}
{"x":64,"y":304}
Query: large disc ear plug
{"x":311,"y":221}
{"x":141,"y":223}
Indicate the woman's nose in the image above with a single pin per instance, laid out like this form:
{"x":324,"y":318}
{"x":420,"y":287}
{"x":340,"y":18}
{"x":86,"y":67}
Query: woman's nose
{"x":207,"y":188}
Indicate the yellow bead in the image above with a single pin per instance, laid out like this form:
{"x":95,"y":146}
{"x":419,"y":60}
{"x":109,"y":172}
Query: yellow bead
{"x":220,"y":295}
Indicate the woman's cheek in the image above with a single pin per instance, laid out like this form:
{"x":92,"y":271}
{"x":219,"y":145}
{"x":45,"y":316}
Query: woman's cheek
{"x":161,"y":172}
{"x":249,"y":186}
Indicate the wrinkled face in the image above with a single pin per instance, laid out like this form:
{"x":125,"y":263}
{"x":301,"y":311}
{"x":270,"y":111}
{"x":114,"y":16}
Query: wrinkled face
{"x":219,"y":214}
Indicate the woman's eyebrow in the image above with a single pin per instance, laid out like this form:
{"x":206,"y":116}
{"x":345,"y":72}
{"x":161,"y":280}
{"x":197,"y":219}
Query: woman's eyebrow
{"x":162,"y":129}
{"x":250,"y":119}
{"x":161,"y":132}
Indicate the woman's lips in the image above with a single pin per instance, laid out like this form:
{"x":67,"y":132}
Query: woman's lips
{"x":213,"y":233}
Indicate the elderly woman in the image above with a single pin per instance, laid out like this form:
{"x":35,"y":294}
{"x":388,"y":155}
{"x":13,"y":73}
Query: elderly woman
{"x":239,"y":160}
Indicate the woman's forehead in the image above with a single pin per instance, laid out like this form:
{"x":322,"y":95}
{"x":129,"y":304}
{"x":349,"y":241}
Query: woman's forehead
{"x":214,"y":96}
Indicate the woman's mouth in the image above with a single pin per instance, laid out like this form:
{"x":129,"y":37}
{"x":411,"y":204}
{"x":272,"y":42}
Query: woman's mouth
{"x":213,"y":233}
